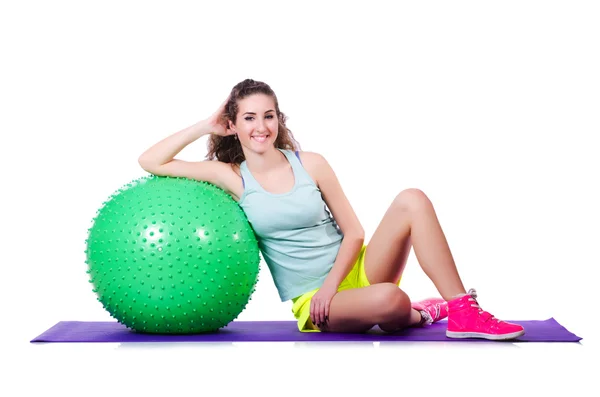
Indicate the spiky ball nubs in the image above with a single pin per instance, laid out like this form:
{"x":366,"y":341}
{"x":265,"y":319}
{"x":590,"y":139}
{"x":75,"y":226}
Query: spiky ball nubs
{"x":172,"y":255}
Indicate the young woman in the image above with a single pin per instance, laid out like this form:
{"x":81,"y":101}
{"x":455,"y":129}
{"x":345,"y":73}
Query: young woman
{"x":309,"y":235}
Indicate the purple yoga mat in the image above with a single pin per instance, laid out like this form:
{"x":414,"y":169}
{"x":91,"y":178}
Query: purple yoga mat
{"x":285,"y":331}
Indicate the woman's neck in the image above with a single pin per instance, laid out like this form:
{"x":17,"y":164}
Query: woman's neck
{"x":264,"y":162}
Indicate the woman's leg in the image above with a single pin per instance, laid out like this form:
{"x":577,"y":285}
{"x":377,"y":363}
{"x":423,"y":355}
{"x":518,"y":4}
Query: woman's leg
{"x":411,"y":221}
{"x":358,"y":310}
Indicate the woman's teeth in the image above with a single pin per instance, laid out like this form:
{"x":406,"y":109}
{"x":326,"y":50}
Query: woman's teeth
{"x":260,"y":138}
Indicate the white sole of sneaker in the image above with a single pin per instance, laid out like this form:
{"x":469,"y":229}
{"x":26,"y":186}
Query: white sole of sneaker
{"x":452,"y":334}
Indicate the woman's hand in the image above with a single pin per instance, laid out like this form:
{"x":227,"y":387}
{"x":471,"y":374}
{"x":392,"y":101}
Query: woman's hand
{"x":217,"y":124}
{"x":319,"y":305}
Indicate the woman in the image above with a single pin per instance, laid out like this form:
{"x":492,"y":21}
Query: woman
{"x":318,"y":259}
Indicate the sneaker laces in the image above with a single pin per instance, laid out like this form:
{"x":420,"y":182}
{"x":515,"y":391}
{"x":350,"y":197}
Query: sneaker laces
{"x":475,"y":304}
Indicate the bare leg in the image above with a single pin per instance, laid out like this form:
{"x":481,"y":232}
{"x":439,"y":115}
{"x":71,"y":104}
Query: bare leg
{"x":411,"y":220}
{"x":358,"y":310}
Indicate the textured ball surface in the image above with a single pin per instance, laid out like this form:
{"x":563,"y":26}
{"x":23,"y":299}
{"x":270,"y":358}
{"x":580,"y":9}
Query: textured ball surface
{"x":172,"y":255}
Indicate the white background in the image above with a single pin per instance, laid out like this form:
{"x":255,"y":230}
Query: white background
{"x":490,"y":108}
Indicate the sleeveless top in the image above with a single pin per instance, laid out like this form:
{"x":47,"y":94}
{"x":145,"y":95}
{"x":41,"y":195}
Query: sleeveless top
{"x":296,"y":233}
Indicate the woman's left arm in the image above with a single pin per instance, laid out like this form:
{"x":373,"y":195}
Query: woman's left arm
{"x":345,"y":217}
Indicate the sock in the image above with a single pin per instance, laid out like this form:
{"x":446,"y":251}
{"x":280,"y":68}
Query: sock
{"x":425,"y":318}
{"x":457,"y":297}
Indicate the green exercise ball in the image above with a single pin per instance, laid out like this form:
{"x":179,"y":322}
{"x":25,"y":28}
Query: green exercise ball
{"x":172,"y":255}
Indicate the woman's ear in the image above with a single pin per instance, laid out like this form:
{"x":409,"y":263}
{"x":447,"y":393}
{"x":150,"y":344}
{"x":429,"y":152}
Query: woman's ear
{"x":231,"y":126}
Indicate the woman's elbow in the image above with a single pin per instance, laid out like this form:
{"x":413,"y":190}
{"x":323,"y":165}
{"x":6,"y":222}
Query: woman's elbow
{"x":142,"y":161}
{"x":146,"y":164}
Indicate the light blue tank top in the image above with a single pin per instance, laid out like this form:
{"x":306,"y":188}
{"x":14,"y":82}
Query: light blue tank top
{"x":297,"y":235}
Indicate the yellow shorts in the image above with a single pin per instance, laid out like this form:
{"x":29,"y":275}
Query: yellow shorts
{"x":357,"y":278}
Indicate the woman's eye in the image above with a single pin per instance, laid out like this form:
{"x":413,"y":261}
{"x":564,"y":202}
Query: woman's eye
{"x":248,"y":118}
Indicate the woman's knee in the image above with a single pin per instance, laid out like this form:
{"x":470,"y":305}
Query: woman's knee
{"x":391,"y":302}
{"x":411,"y":200}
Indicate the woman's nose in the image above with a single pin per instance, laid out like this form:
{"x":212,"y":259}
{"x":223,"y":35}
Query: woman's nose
{"x":260,"y":127}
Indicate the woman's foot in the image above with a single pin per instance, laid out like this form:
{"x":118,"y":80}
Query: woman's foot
{"x":466,"y":319}
{"x":432,"y":310}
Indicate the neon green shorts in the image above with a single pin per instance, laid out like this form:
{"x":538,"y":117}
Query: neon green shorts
{"x":357,"y":278}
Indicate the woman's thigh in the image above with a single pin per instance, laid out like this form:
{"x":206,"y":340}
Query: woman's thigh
{"x":388,"y":250}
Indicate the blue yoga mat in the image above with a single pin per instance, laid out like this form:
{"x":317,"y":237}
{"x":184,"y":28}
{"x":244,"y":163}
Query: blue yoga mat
{"x":285,"y":331}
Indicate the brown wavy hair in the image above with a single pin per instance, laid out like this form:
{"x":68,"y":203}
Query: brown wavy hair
{"x":227,"y":148}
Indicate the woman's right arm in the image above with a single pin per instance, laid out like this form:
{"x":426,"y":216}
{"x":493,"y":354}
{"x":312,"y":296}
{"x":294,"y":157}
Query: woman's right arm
{"x":159,"y":158}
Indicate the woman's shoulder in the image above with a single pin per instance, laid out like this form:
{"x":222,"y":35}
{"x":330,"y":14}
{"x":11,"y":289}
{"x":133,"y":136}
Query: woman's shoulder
{"x":311,"y":158}
{"x":314,"y":163}
{"x":231,"y":179}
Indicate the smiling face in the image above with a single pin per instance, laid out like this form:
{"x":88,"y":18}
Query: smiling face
{"x":256,"y":123}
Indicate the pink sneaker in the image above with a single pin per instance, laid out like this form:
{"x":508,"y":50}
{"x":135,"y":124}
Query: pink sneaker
{"x":467,"y":320}
{"x":432,"y":310}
